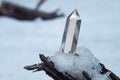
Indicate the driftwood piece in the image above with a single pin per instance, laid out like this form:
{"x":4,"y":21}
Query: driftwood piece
{"x":22,"y":13}
{"x":50,"y":69}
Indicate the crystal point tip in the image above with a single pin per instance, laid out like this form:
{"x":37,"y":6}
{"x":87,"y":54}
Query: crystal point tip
{"x":74,"y":14}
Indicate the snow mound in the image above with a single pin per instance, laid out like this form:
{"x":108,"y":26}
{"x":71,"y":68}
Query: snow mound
{"x":76,"y":64}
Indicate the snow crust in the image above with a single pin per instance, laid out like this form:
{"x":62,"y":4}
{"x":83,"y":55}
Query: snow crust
{"x":76,"y":64}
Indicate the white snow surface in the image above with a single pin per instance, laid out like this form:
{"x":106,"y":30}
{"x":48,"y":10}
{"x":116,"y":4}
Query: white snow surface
{"x":76,"y":64}
{"x":22,"y":41}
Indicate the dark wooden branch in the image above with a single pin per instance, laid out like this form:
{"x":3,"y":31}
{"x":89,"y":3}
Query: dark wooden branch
{"x":85,"y":74}
{"x":22,"y":13}
{"x":50,"y":65}
{"x":39,"y":4}
{"x":50,"y":69}
{"x":112,"y":75}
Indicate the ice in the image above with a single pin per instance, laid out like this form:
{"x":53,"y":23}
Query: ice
{"x":76,"y":64}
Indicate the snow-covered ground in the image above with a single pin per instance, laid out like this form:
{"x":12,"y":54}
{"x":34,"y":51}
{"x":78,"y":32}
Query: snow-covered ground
{"x":22,"y":41}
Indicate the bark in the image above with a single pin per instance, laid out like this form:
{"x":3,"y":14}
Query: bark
{"x":49,"y":68}
{"x":22,"y":13}
{"x":112,"y":75}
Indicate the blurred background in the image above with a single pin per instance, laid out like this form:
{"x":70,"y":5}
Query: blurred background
{"x":22,"y":41}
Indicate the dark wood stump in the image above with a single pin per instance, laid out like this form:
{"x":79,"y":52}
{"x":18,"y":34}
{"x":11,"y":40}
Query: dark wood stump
{"x":21,"y":13}
{"x":50,"y":69}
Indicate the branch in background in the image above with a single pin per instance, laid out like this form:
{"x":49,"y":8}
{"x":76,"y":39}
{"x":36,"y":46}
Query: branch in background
{"x":39,"y":4}
{"x":22,"y":13}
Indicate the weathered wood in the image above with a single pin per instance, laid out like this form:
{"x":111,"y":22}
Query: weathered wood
{"x":112,"y":75}
{"x":22,"y":13}
{"x":50,"y":65}
{"x":50,"y":69}
{"x":85,"y":74}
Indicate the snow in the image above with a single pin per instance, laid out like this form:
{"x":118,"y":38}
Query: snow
{"x":22,"y":41}
{"x":76,"y":64}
